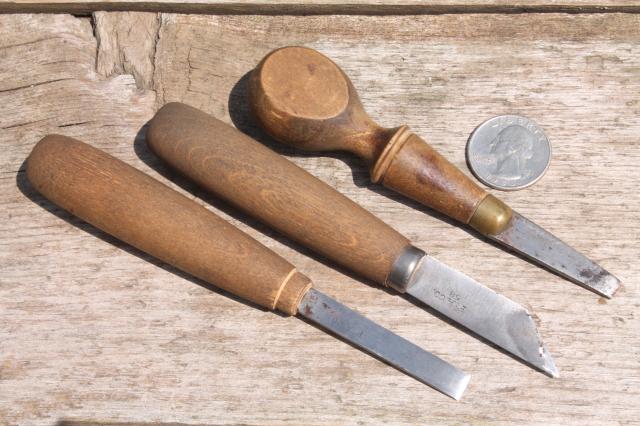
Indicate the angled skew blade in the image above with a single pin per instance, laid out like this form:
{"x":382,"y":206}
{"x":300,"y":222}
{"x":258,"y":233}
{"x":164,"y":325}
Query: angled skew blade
{"x":530,"y":240}
{"x":381,"y":343}
{"x":481,"y":310}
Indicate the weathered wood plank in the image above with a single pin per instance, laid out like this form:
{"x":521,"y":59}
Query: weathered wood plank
{"x":92,"y":333}
{"x":323,"y":7}
{"x":127,"y":44}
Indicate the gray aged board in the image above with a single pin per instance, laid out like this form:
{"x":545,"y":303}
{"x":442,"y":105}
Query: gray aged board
{"x":93,"y":331}
{"x":326,"y":7}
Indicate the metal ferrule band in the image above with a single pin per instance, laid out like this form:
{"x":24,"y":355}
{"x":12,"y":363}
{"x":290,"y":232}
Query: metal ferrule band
{"x":403,"y":268}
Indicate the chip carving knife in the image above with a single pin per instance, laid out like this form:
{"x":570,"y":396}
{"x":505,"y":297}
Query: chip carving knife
{"x":283,"y":196}
{"x":154,"y":218}
{"x":303,"y":99}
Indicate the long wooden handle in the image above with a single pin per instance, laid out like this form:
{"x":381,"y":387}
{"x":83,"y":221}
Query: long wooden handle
{"x":303,"y":99}
{"x":266,"y":185}
{"x":152,"y":217}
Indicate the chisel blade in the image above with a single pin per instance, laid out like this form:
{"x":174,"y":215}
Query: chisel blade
{"x":383,"y":344}
{"x":530,"y":240}
{"x":481,"y":310}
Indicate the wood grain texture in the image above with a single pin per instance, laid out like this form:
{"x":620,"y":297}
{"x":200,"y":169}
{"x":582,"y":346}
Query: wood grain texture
{"x":421,"y":173}
{"x":126,"y":45}
{"x":265,"y":185}
{"x":301,"y":98}
{"x":323,"y":7}
{"x":92,"y":331}
{"x":137,"y":209}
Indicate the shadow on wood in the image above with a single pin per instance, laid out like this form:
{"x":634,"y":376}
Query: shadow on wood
{"x":32,"y":194}
{"x":242,"y":118}
{"x":143,"y":152}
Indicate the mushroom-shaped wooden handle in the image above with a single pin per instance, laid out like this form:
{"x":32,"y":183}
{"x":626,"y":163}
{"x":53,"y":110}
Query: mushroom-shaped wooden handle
{"x":154,"y":218}
{"x":271,"y":188}
{"x":303,"y":99}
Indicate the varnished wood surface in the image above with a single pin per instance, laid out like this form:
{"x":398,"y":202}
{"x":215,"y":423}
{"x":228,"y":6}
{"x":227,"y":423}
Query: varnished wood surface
{"x":93,"y":331}
{"x":266,"y":186}
{"x":421,"y":173}
{"x":137,"y":209}
{"x":303,"y":99}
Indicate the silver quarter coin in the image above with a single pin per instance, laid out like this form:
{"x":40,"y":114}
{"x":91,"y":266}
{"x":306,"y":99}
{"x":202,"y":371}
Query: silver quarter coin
{"x":508,"y":152}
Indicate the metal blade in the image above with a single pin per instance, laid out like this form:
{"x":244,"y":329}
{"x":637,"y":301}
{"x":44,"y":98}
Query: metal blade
{"x":383,"y":344}
{"x":481,"y":310}
{"x":527,"y":238}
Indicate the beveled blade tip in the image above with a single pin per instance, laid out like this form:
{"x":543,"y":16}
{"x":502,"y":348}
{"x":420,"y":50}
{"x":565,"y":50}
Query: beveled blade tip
{"x":383,"y":344}
{"x":548,"y":366}
{"x":535,"y":354}
{"x":605,"y":284}
{"x":532,"y":241}
{"x":456,"y":393}
{"x":452,"y":381}
{"x":486,"y":313}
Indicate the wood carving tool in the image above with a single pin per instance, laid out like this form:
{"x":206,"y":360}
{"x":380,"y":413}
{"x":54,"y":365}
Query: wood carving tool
{"x":154,"y":218}
{"x":303,"y":99}
{"x":269,"y":187}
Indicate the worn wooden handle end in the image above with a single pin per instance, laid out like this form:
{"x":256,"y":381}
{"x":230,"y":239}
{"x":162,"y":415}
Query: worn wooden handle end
{"x":154,"y":218}
{"x":304,"y":99}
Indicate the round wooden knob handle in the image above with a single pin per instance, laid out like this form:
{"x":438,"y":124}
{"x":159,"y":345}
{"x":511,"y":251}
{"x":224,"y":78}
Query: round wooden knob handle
{"x":303,"y":99}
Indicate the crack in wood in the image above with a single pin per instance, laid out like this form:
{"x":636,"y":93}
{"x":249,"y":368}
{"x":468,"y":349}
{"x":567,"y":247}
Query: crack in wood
{"x":27,"y":43}
{"x":13,"y":126}
{"x":79,"y":123}
{"x":28,"y":86}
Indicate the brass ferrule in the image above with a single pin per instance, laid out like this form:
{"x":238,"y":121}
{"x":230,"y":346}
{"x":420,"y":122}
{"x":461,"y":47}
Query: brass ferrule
{"x":491,"y":216}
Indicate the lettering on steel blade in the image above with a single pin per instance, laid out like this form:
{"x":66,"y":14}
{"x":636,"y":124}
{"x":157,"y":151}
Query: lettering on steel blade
{"x":453,"y":299}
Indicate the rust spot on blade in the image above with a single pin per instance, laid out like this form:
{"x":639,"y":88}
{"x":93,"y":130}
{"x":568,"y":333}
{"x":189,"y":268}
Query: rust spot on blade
{"x":590,"y":276}
{"x":331,"y":311}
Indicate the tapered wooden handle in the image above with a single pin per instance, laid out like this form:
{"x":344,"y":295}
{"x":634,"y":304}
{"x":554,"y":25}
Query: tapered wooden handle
{"x":152,"y":217}
{"x":267,"y":186}
{"x":303,"y":99}
{"x":413,"y":168}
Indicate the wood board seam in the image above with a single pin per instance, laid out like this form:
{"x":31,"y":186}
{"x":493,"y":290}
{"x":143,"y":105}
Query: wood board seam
{"x":241,"y":8}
